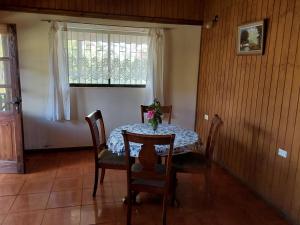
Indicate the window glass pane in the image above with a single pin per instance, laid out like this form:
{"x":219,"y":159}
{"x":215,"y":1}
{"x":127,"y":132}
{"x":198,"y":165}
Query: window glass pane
{"x":102,"y":57}
{"x":4,"y":45}
{"x":5,"y":73}
{"x":5,"y":98}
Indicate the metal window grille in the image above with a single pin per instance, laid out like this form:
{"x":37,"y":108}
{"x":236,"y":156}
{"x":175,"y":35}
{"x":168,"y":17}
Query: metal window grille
{"x":108,"y":58}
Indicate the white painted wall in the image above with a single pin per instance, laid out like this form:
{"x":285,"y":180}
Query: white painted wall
{"x":182,"y":60}
{"x":119,"y":105}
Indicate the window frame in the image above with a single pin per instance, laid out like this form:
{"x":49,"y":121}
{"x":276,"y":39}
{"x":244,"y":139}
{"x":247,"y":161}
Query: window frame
{"x":109,"y":80}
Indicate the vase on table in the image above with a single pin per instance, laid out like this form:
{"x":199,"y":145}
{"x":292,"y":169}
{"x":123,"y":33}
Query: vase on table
{"x":154,"y":125}
{"x":154,"y":114}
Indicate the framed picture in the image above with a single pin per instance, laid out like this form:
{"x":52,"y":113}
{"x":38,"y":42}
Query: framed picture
{"x":251,"y":38}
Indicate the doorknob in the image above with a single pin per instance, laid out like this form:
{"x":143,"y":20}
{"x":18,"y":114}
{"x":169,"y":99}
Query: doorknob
{"x":16,"y":101}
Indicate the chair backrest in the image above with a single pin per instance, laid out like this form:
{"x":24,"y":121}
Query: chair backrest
{"x":164,"y":109}
{"x":148,"y":158}
{"x":98,"y":135}
{"x":212,"y":136}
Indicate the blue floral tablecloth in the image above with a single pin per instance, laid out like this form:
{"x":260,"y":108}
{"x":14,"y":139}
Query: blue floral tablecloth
{"x":185,"y":140}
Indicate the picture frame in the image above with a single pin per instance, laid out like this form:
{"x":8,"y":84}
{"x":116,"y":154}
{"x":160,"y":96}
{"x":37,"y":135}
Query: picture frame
{"x":251,"y":38}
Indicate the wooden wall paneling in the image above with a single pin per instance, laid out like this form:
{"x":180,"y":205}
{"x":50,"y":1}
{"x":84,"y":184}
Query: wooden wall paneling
{"x":106,"y":7}
{"x":92,"y":6}
{"x":98,"y":6}
{"x":219,"y":73}
{"x":265,"y":131}
{"x":215,"y":36}
{"x":253,"y":127}
{"x":78,"y":5}
{"x":133,"y":7}
{"x":288,"y":168}
{"x":274,"y":101}
{"x":181,"y":11}
{"x":14,"y":2}
{"x":257,"y":96}
{"x":202,"y":80}
{"x":230,"y":80}
{"x":164,"y":11}
{"x":259,"y":112}
{"x":261,"y":11}
{"x":72,"y":5}
{"x":110,"y":4}
{"x":23,"y":3}
{"x":234,"y":97}
{"x":232,"y":131}
{"x":117,"y":7}
{"x":187,"y":8}
{"x":175,"y":10}
{"x":44,"y":3}
{"x":59,"y":4}
{"x":292,"y":202}
{"x":247,"y":126}
{"x":273,"y":11}
{"x":152,"y":7}
{"x":279,"y":100}
{"x":283,"y":101}
{"x":228,"y":117}
{"x":85,"y":6}
{"x":155,"y":8}
{"x":147,"y":8}
{"x":293,"y":144}
{"x":51,"y":4}
{"x":225,"y":92}
{"x":123,"y":7}
{"x":65,"y":4}
{"x":239,"y":117}
{"x":245,"y":104}
{"x":211,"y":34}
{"x":295,"y":202}
{"x":193,"y":9}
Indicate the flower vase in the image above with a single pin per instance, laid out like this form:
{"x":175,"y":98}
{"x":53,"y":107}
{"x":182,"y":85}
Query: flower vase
{"x":154,"y":126}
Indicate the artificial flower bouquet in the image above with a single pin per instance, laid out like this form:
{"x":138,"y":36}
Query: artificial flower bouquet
{"x":154,"y":114}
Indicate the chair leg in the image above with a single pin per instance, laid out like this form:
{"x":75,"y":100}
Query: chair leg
{"x":164,"y":215}
{"x":96,"y":181}
{"x":102,"y":175}
{"x":129,"y":204}
{"x":173,"y":188}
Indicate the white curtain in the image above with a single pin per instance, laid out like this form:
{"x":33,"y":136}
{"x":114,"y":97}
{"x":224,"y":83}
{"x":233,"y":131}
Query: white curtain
{"x":155,"y":73}
{"x":59,"y":91}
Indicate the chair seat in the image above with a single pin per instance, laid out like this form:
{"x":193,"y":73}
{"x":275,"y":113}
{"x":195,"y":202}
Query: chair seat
{"x":159,"y":168}
{"x":108,"y":157}
{"x":189,"y":162}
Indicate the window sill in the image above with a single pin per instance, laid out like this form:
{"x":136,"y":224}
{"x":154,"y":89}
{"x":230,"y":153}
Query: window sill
{"x":109,"y":85}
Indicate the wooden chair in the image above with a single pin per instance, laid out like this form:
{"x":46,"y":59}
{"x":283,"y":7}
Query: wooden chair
{"x":148,"y":175}
{"x":197,"y":162}
{"x":104,"y":159}
{"x":164,"y":109}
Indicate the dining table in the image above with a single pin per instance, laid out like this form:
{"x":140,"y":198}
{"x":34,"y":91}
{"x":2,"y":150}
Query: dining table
{"x":186,"y":140}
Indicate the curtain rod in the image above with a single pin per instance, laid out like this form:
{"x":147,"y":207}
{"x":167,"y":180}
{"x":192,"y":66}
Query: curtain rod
{"x":66,"y":21}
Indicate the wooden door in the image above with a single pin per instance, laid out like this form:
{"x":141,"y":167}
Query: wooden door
{"x":11,"y":135}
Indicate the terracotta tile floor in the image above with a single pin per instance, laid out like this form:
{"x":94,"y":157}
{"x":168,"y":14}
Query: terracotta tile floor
{"x":57,"y":191}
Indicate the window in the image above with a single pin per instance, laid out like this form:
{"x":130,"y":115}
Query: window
{"x":5,"y":82}
{"x":107,"y":57}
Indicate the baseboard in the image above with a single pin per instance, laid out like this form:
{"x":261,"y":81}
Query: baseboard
{"x":270,"y":203}
{"x":53,"y":150}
